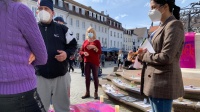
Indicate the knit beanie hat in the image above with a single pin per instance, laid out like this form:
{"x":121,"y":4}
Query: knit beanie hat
{"x":47,"y":3}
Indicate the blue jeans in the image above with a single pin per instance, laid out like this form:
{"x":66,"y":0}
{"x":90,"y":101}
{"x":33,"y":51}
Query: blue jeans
{"x":161,"y":105}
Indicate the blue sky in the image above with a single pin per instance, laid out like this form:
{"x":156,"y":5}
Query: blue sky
{"x":131,"y":13}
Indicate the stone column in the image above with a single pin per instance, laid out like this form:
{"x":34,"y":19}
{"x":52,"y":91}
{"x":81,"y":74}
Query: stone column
{"x":197,"y":50}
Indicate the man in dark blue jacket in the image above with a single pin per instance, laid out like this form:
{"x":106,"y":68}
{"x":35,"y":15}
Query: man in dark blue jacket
{"x":53,"y":77}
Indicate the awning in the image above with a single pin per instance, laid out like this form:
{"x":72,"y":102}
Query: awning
{"x":109,"y":49}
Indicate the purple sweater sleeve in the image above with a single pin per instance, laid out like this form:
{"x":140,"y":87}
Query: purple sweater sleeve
{"x":30,"y":30}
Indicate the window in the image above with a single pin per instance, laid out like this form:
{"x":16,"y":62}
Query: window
{"x":99,"y":29}
{"x":117,"y":44}
{"x":70,"y":7}
{"x":118,"y":35}
{"x":114,"y":43}
{"x":110,"y":33}
{"x":103,"y":40}
{"x":121,"y":35}
{"x":99,"y":38}
{"x":83,"y":25}
{"x":77,"y":36}
{"x":90,"y":13}
{"x":101,"y":18}
{"x":111,"y":43}
{"x":83,"y":12}
{"x":110,"y":22}
{"x":83,"y":37}
{"x":71,"y":21}
{"x":134,"y":43}
{"x":114,"y":34}
{"x":105,"y":30}
{"x":91,"y":25}
{"x":77,"y":23}
{"x":121,"y":44}
{"x":102,"y":29}
{"x":98,"y":17}
{"x":105,"y":19}
{"x":77,"y":9}
{"x":94,"y":15}
{"x":34,"y":10}
{"x":95,"y":27}
{"x":60,"y":3}
{"x":54,"y":2}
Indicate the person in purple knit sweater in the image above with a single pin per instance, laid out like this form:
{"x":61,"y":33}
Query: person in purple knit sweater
{"x":21,"y":48}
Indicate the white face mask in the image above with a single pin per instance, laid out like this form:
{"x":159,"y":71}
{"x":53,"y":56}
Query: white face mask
{"x":155,"y":15}
{"x":90,"y":35}
{"x":44,"y":16}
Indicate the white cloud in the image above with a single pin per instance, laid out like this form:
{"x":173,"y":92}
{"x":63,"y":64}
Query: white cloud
{"x":117,"y":18}
{"x":117,"y":2}
{"x":97,"y":1}
{"x":182,"y":1}
{"x":120,"y":16}
{"x":147,"y":4}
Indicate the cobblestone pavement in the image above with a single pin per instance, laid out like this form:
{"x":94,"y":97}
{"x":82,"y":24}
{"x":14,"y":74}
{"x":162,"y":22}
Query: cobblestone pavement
{"x":78,"y":87}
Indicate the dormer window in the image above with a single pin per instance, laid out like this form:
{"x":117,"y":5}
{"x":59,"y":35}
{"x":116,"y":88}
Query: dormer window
{"x":83,"y":12}
{"x":98,"y":17}
{"x":101,"y":18}
{"x":70,"y":7}
{"x":110,"y":22}
{"x":94,"y":15}
{"x":105,"y":19}
{"x":77,"y":9}
{"x":60,"y":3}
{"x":90,"y":13}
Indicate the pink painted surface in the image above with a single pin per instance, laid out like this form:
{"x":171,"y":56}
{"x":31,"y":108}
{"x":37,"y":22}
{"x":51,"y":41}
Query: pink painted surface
{"x":188,"y":59}
{"x":92,"y":107}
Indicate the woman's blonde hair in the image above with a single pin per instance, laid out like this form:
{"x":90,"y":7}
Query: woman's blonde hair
{"x":91,"y":30}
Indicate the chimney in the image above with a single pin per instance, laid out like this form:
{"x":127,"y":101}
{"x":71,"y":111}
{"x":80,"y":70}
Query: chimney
{"x":102,"y":12}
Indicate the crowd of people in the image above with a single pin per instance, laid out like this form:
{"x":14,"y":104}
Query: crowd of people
{"x":36,"y":58}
